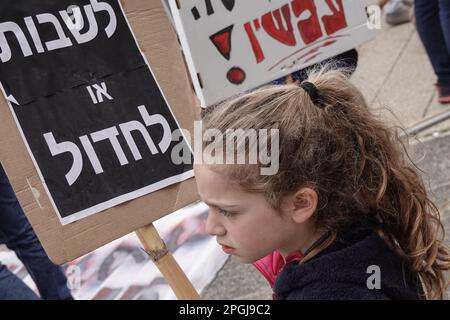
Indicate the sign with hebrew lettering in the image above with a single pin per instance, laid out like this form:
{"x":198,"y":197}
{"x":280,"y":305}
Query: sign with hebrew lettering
{"x":235,"y":45}
{"x":89,"y":109}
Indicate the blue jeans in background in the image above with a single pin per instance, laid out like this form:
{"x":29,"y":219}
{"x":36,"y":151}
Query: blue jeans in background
{"x":18,"y":235}
{"x":433,"y":26}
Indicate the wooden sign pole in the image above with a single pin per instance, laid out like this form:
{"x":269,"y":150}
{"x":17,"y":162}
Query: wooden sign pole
{"x":174,"y":275}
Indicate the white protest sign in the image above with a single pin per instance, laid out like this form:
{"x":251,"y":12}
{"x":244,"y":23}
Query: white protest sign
{"x":235,"y":45}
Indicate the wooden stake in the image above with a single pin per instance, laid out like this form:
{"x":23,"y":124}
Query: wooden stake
{"x":174,"y":275}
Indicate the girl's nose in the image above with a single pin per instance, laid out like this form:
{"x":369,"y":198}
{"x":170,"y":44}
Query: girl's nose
{"x":213,"y":225}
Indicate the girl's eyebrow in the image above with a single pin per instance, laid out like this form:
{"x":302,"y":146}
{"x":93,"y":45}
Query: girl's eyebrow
{"x":220,"y":205}
{"x":217,"y":205}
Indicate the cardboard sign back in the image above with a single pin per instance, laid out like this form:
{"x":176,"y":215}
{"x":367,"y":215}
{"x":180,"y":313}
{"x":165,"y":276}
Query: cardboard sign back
{"x":158,"y":42}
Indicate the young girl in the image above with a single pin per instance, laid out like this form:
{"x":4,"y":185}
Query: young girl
{"x":345,"y":197}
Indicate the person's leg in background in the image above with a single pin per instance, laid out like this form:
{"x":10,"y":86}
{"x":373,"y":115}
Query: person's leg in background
{"x":12,"y":288}
{"x":444,"y":15}
{"x":433,"y":26}
{"x":18,"y":235}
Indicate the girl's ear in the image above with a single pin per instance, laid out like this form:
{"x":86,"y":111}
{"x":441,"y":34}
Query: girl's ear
{"x":303,"y":204}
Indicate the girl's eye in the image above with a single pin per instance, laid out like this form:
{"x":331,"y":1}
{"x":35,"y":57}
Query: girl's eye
{"x":225,"y":213}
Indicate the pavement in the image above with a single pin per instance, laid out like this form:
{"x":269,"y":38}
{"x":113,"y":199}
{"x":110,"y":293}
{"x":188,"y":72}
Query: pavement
{"x":397,"y":79}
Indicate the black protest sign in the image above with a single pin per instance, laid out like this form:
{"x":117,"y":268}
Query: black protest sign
{"x":88,"y":106}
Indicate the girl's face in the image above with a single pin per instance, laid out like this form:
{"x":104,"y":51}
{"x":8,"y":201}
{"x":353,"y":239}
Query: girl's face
{"x":244,"y":223}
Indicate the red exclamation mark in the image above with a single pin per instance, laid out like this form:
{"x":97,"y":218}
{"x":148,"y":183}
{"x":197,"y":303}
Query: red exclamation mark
{"x":222,"y":41}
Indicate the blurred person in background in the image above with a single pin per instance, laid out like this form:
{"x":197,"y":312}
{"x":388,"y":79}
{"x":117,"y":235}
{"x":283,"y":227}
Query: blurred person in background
{"x":433,"y":26}
{"x":18,"y":235}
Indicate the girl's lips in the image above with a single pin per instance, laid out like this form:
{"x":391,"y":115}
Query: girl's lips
{"x":227,"y":249}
